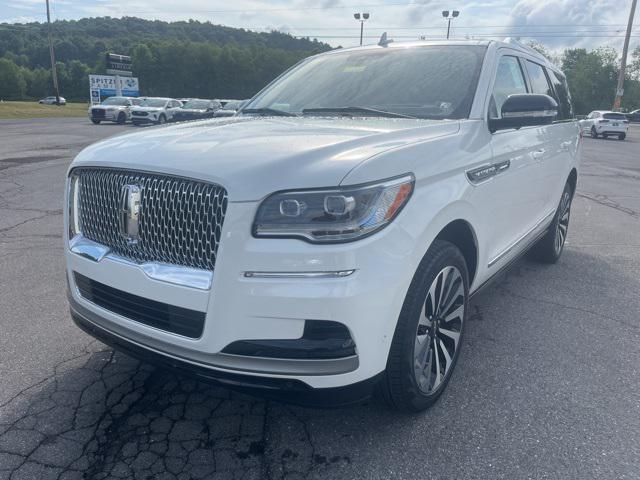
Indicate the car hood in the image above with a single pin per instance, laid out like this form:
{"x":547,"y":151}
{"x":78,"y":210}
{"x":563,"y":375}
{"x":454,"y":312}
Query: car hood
{"x":255,"y":156}
{"x":190,"y":110}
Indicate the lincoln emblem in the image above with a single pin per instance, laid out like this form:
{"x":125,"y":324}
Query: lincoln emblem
{"x":130,"y":212}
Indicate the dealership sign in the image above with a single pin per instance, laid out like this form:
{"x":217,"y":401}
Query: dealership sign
{"x":110,"y":85}
{"x":118,"y":64}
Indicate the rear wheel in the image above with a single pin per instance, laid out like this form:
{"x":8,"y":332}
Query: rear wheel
{"x":549,"y":248}
{"x":428,"y":335}
{"x":622,"y":136}
{"x":594,"y":134}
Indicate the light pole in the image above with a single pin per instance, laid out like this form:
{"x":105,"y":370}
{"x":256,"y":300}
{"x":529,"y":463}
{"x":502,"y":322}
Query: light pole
{"x":449,"y":16}
{"x":623,"y":62}
{"x":361,"y":17}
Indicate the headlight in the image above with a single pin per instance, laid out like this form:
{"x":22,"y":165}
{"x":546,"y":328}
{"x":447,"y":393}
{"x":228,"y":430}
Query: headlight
{"x":74,"y":206}
{"x":333,"y":215}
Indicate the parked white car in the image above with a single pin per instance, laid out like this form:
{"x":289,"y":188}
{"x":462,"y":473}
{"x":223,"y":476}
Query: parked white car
{"x":327,"y":240}
{"x":52,"y":101}
{"x":605,"y":123}
{"x":113,"y":109}
{"x":155,"y":110}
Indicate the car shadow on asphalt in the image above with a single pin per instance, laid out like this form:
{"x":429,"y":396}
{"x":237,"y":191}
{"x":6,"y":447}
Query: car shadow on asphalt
{"x":104,"y":415}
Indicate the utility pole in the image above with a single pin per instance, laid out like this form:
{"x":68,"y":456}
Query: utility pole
{"x":53,"y":58}
{"x":623,"y":63}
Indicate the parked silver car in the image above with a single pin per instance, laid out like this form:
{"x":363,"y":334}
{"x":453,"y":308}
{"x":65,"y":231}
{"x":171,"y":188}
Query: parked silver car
{"x":113,"y":109}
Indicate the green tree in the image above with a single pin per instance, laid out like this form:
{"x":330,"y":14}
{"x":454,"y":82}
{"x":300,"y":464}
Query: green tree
{"x":12,"y":83}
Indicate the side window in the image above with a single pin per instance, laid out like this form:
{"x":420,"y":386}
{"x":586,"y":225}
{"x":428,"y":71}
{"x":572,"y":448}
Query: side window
{"x":538,"y":77}
{"x":509,"y":81}
{"x":563,"y":96}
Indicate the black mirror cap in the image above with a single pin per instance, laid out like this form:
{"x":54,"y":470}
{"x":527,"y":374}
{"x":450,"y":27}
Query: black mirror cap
{"x":525,"y":110}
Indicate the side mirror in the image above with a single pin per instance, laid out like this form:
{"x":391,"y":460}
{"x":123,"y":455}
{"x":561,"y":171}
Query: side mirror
{"x":525,"y":110}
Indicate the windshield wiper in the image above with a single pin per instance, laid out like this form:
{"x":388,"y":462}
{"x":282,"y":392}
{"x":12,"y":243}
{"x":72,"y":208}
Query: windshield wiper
{"x":370,"y":112}
{"x":268,"y":111}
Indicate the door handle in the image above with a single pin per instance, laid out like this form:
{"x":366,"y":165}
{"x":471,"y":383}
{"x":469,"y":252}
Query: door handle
{"x":538,"y":154}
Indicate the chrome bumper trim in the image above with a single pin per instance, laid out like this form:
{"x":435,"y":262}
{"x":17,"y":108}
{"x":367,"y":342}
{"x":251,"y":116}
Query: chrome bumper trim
{"x":222,"y":361}
{"x":163,"y":272}
{"x":334,"y":274}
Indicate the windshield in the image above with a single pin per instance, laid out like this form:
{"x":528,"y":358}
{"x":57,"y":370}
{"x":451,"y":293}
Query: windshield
{"x":153,"y":102}
{"x":425,"y":82}
{"x":115,"y":101}
{"x":614,"y":116}
{"x":198,"y":104}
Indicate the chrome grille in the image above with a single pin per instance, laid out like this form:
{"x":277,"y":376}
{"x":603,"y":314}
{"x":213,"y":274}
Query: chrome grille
{"x":180,"y":220}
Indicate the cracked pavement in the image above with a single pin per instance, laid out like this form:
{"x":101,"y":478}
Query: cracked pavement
{"x":546,"y":386}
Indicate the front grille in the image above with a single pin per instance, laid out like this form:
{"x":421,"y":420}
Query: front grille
{"x":181,"y":321}
{"x":97,"y":113}
{"x":138,"y":113}
{"x":180,"y":220}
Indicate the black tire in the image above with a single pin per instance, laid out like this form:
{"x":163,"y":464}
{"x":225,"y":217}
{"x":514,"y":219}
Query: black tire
{"x":604,"y":136}
{"x":549,"y":248}
{"x":95,"y":122}
{"x":594,"y":134}
{"x":399,"y":387}
{"x":622,"y":136}
{"x":162,"y":120}
{"x":122,"y":118}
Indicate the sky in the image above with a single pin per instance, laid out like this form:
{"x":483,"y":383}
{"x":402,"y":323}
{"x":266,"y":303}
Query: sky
{"x":557,"y":24}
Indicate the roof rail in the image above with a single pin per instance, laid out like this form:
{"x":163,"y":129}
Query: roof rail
{"x":532,"y":51}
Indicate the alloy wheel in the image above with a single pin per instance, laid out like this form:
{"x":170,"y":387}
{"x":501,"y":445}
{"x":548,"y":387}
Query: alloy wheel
{"x":439,"y":329}
{"x":563,"y":222}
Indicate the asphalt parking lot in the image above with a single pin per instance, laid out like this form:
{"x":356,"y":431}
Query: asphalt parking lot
{"x":547,"y":386}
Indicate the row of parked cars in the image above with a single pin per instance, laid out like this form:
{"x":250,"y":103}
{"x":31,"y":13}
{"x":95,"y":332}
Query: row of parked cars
{"x":159,"y":110}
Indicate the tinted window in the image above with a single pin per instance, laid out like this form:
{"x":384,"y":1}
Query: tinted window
{"x":614,"y":116}
{"x":538,"y":78}
{"x":425,"y":82}
{"x":562,"y":95}
{"x":509,"y":81}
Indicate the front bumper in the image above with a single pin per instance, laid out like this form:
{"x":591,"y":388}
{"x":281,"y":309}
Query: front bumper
{"x":143,"y":120}
{"x":240,"y":307}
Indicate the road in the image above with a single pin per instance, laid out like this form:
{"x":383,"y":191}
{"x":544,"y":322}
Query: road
{"x":547,"y":385}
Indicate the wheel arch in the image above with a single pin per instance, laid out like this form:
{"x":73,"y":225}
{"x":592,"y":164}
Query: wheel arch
{"x":460,"y":233}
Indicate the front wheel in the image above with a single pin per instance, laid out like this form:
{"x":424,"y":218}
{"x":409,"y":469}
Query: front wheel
{"x":549,"y":248}
{"x":162,"y":120}
{"x":594,"y":134}
{"x":122,"y":118}
{"x":622,"y":136}
{"x":428,"y":335}
{"x":95,"y":122}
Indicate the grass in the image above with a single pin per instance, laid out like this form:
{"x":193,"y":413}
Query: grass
{"x":20,"y":110}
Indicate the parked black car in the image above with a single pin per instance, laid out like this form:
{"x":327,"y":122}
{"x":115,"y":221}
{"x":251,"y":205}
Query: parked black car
{"x":634,"y":116}
{"x":197,"y":108}
{"x":230,"y":107}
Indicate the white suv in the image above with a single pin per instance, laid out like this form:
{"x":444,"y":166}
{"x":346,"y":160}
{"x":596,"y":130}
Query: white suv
{"x":606,"y":124}
{"x":326,"y":240}
{"x":156,"y":110}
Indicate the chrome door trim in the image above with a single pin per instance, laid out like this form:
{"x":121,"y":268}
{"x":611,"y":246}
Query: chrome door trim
{"x":511,"y":247}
